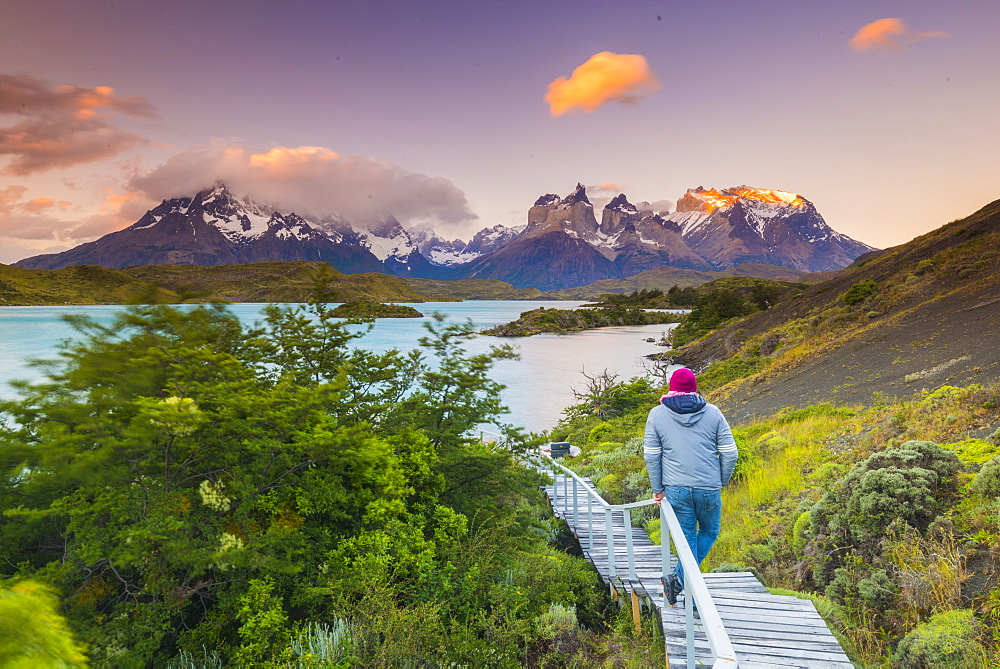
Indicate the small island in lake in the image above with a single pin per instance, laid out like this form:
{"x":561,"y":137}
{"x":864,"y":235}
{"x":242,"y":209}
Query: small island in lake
{"x":541,"y":320}
{"x":368,"y":309}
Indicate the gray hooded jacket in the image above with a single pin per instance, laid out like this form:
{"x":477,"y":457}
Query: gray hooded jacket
{"x":688,"y":443}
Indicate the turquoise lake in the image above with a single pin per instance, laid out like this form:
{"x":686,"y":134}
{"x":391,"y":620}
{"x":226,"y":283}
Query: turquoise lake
{"x":539,"y":385}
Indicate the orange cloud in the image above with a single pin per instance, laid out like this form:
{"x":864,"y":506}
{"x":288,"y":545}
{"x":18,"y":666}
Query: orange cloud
{"x":607,"y":185}
{"x":64,"y":125}
{"x":10,"y":197}
{"x":283,"y":158}
{"x":40,"y":204}
{"x":116,"y":212}
{"x":605,"y":77}
{"x":888,"y":34}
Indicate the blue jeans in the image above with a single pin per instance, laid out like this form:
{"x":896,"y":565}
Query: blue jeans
{"x":699,"y":511}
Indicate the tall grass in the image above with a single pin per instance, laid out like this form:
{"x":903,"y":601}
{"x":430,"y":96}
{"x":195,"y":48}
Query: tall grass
{"x":782,"y":452}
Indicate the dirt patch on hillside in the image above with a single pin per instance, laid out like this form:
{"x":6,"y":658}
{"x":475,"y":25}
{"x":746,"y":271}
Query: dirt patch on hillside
{"x":952,"y":340}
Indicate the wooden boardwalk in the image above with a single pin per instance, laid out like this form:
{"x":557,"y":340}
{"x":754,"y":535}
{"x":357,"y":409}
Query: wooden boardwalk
{"x":766,"y":630}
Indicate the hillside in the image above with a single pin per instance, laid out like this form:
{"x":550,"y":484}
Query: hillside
{"x":474,"y":289}
{"x":82,"y":284}
{"x":252,"y":282}
{"x":662,"y":278}
{"x":275,"y":282}
{"x":928,"y":321}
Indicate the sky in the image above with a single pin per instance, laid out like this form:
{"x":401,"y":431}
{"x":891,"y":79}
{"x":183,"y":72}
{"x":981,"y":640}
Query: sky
{"x":459,"y":115}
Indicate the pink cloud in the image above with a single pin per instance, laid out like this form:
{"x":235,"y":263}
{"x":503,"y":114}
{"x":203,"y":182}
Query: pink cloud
{"x":64,"y":125}
{"x":310,"y":180}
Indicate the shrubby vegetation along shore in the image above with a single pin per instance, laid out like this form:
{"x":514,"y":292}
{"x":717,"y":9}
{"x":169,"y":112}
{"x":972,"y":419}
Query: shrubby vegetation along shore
{"x":200,"y":494}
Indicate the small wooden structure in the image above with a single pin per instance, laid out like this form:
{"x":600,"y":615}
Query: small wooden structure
{"x":734,"y":622}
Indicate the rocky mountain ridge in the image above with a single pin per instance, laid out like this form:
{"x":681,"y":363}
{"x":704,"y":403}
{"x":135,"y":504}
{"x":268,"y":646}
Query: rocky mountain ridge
{"x":562,"y":244}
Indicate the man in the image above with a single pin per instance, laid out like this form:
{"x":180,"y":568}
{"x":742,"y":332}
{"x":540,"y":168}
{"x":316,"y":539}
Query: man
{"x":690,"y":454}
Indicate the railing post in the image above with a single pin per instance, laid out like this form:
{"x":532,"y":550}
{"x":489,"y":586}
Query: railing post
{"x":590,"y":522}
{"x":627,"y":518}
{"x":664,"y":549}
{"x":609,"y":524}
{"x":689,"y":623}
{"x":566,"y":479}
{"x":576,"y":506}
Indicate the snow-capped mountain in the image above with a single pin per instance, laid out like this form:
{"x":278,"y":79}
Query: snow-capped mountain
{"x":759,"y":225}
{"x":214,"y":228}
{"x":453,"y":253}
{"x":441,"y":252}
{"x":388,"y":241}
{"x":561,"y":245}
{"x":710,"y":229}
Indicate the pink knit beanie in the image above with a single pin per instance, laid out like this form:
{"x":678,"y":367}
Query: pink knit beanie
{"x":683,"y":381}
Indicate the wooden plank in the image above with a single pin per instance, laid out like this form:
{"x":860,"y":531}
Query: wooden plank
{"x":746,"y":664}
{"x":766,"y":630}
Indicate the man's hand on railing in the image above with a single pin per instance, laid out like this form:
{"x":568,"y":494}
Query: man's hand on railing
{"x":658,"y":496}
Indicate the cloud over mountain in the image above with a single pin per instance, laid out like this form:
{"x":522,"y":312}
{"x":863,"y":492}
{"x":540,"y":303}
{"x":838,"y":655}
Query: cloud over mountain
{"x":310,"y":180}
{"x":605,"y":77}
{"x":63,"y":125}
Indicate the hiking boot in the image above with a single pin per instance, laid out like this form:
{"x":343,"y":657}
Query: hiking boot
{"x":671,"y":588}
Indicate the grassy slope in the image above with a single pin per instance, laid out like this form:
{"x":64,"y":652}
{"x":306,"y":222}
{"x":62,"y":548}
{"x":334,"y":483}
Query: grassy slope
{"x":87,"y":284}
{"x":929,"y":323}
{"x":664,"y":278}
{"x":275,"y":282}
{"x":252,"y":282}
{"x":474,"y":289}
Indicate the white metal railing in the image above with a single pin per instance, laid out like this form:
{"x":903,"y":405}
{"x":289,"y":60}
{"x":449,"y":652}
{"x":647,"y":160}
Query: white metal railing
{"x":695,"y":589}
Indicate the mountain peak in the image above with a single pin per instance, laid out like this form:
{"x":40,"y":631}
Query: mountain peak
{"x":579,"y":195}
{"x":547,"y":200}
{"x":709,"y":199}
{"x":621,"y":203}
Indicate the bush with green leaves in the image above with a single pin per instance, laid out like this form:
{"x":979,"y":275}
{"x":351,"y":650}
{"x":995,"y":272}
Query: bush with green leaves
{"x":987,"y":481}
{"x":860,"y":291}
{"x":909,"y":484}
{"x":949,"y":639}
{"x":194,"y":488}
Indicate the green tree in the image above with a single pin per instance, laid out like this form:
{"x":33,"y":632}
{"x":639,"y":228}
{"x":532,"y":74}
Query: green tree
{"x":187,"y":483}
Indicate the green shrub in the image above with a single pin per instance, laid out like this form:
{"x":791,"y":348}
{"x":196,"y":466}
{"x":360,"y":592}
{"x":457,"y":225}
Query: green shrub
{"x":653,"y":530}
{"x":721,"y":372}
{"x":987,"y":481}
{"x":599,"y":433}
{"x":910,"y":484}
{"x":974,"y":451}
{"x":799,"y":530}
{"x":860,"y":292}
{"x":558,"y":630}
{"x":946,"y":640}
